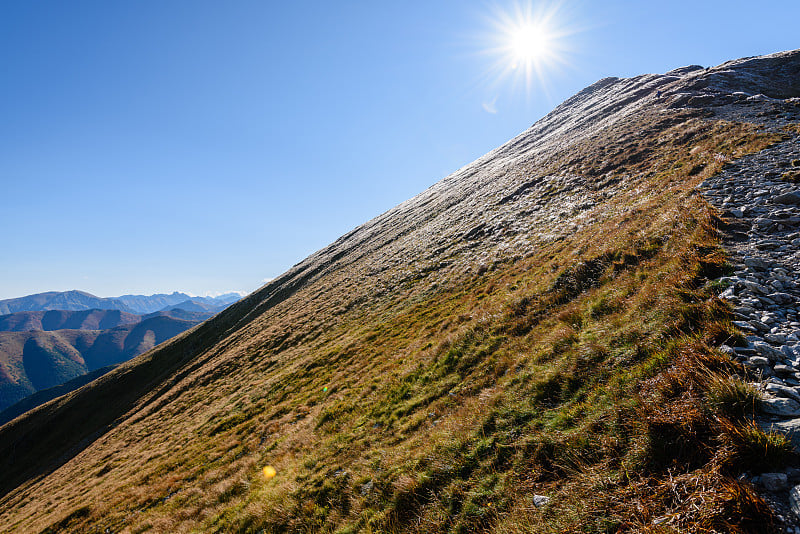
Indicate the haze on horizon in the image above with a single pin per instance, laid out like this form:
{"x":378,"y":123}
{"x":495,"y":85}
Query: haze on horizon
{"x":205,"y":148}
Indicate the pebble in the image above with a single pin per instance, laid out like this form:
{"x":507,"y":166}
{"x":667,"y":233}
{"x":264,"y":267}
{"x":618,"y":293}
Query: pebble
{"x":794,"y":500}
{"x":540,"y":500}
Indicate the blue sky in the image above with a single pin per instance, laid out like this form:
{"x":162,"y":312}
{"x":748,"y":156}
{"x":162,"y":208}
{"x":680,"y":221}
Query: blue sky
{"x":206,"y":146}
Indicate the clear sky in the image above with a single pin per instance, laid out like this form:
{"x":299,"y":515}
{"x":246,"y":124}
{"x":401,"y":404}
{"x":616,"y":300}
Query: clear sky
{"x":204,"y":146}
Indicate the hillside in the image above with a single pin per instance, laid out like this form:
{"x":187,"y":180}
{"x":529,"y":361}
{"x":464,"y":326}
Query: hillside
{"x":31,"y":361}
{"x":40,"y":397}
{"x":530,"y":345}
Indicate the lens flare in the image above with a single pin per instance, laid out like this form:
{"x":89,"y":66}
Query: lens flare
{"x":527,"y":43}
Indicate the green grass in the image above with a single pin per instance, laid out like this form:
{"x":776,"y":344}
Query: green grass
{"x":585,"y":371}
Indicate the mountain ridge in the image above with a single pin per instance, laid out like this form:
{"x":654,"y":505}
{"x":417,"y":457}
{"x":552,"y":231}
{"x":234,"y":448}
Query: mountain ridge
{"x":76,"y":300}
{"x":93,"y":319}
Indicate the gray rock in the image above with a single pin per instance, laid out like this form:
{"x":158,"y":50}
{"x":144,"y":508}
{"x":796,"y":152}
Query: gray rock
{"x":792,"y":197}
{"x":780,"y":297}
{"x":792,"y":473}
{"x":774,"y":481}
{"x":758,"y":361}
{"x":744,"y":325}
{"x":755,"y":263}
{"x":728,"y":294}
{"x":727,"y":350}
{"x":784,"y":369}
{"x":367,"y":487}
{"x":768,"y":351}
{"x":755,"y":288}
{"x":783,"y":391}
{"x":782,"y":407}
{"x":794,"y":500}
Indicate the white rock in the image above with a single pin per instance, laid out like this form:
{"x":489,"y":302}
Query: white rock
{"x":540,"y":500}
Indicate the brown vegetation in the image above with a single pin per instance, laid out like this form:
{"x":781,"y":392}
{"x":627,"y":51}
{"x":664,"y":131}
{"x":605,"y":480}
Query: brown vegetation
{"x":584,"y":369}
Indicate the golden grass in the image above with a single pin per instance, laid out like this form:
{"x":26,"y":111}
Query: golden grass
{"x":583,"y":370}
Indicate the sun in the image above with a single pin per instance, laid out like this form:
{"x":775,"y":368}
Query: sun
{"x":529,"y":43}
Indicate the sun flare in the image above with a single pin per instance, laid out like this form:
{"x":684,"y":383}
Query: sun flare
{"x":529,"y":43}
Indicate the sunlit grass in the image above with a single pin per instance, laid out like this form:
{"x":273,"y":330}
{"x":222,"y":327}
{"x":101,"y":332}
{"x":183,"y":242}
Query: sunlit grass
{"x":585,"y":371}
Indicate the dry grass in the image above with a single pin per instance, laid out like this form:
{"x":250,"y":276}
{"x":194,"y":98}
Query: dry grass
{"x":584,"y":371}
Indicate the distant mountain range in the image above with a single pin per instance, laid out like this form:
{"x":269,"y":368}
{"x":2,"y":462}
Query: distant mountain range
{"x":87,"y":319}
{"x":137,"y":304}
{"x":51,"y":338}
{"x":34,"y":360}
{"x":61,"y":300}
{"x":153,"y":303}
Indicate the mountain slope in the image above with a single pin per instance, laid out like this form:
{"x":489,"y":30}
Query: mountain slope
{"x":528,"y":345}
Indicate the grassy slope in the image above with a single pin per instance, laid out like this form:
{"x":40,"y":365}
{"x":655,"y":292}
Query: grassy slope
{"x":583,"y":370}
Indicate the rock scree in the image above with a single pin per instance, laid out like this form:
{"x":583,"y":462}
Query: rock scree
{"x":759,"y":200}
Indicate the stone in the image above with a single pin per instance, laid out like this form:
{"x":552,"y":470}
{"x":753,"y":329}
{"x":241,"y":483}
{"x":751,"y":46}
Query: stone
{"x":792,"y":473}
{"x":540,"y":500}
{"x":780,"y":406}
{"x":755,"y":287}
{"x":768,"y":351}
{"x":744,"y":325}
{"x":755,"y":263}
{"x":367,"y":487}
{"x":725,"y":349}
{"x":783,"y":391}
{"x":792,"y":197}
{"x":775,"y":338}
{"x":794,"y":500}
{"x":774,"y":481}
{"x":784,"y":369}
{"x":758,"y":361}
{"x":728,"y":294}
{"x":780,"y":297}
